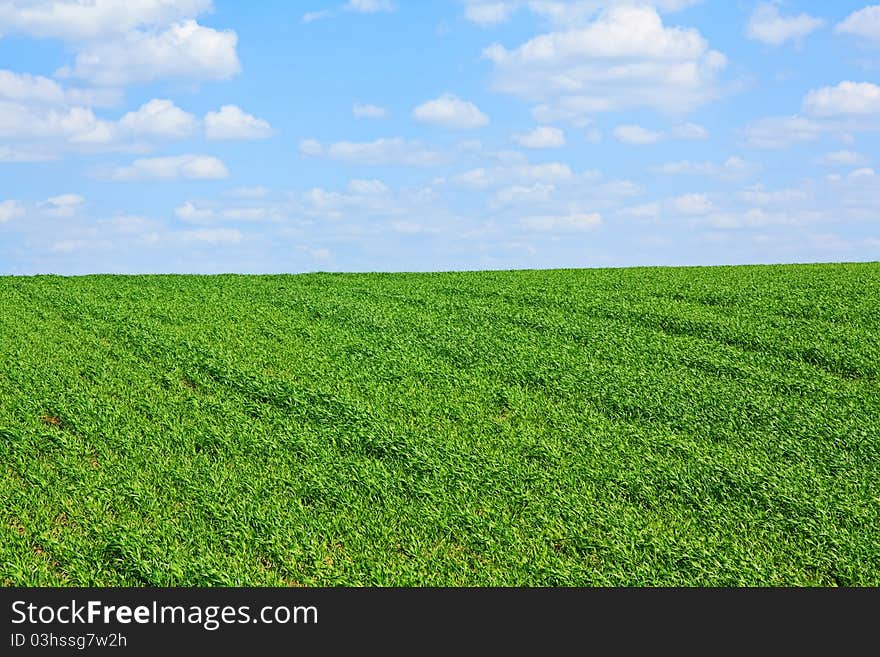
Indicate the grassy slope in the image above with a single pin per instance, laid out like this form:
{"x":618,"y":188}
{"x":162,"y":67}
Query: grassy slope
{"x":617,"y":427}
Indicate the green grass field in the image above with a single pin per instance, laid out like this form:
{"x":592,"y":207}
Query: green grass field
{"x":690,"y":426}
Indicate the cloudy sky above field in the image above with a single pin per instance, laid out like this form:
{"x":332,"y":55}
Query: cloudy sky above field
{"x":198,"y":136}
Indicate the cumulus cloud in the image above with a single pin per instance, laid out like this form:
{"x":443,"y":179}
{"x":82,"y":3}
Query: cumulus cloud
{"x":624,"y":59}
{"x":356,"y":6}
{"x":26,"y":154}
{"x":643,"y":211}
{"x":844,"y":109}
{"x":62,"y":128}
{"x":842,"y":159}
{"x":519,"y":195}
{"x":211,"y":235}
{"x":541,"y":137}
{"x":367,"y":187}
{"x":364,"y":198}
{"x":159,"y":118}
{"x":179,"y":167}
{"x":781,"y":132}
{"x":74,"y":124}
{"x":395,"y":151}
{"x":77,"y":21}
{"x":191,"y":213}
{"x":370,"y":6}
{"x":450,"y":111}
{"x":231,"y":122}
{"x":864,"y":24}
{"x":563,"y":223}
{"x":515,"y":173}
{"x":36,"y":89}
{"x":769,"y":26}
{"x":63,"y":205}
{"x":847,"y":98}
{"x":368,"y":111}
{"x":691,"y":204}
{"x":489,"y":13}
{"x":566,"y":13}
{"x":637,"y":135}
{"x":759,"y":195}
{"x":183,"y":50}
{"x":247,"y":192}
{"x":733,"y":168}
{"x":10,"y":210}
{"x":118,"y":42}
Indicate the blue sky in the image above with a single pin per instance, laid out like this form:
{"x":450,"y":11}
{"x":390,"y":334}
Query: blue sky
{"x":142,"y":136}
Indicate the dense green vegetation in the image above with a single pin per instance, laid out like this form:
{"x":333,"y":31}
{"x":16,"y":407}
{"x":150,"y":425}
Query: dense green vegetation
{"x":715,"y":426}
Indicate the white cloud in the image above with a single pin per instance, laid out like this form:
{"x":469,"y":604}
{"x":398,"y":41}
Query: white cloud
{"x":847,"y":98}
{"x":864,"y":23}
{"x":186,"y":167}
{"x":541,"y":137}
{"x":212,"y":235}
{"x":35,"y":89}
{"x":247,"y":192}
{"x":183,"y":50}
{"x":246,"y":214}
{"x":356,"y":6}
{"x":363,"y":198}
{"x":382,"y":152}
{"x":518,"y":173}
{"x":60,"y":128}
{"x":637,"y":135}
{"x":489,"y":13}
{"x":121,"y":41}
{"x":78,"y":20}
{"x":781,"y":132}
{"x":64,"y":205}
{"x":759,"y":217}
{"x":842,"y":159}
{"x":10,"y":210}
{"x":691,"y":204}
{"x":312,"y":16}
{"x":519,"y":195}
{"x":159,"y":118}
{"x":862,"y":174}
{"x":565,"y":13}
{"x":321,"y":254}
{"x":760,"y":196}
{"x":625,"y":59}
{"x":367,"y":187}
{"x":367,"y":111}
{"x":621,"y":188}
{"x":190,"y":213}
{"x":644,"y":211}
{"x":370,"y":6}
{"x":769,"y":26}
{"x":473,"y":179}
{"x":75,"y":124}
{"x":845,"y":109}
{"x":71,"y":246}
{"x":233,"y":123}
{"x":689,"y":131}
{"x":26,"y":154}
{"x":450,"y":111}
{"x":563,"y":223}
{"x":733,"y":168}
